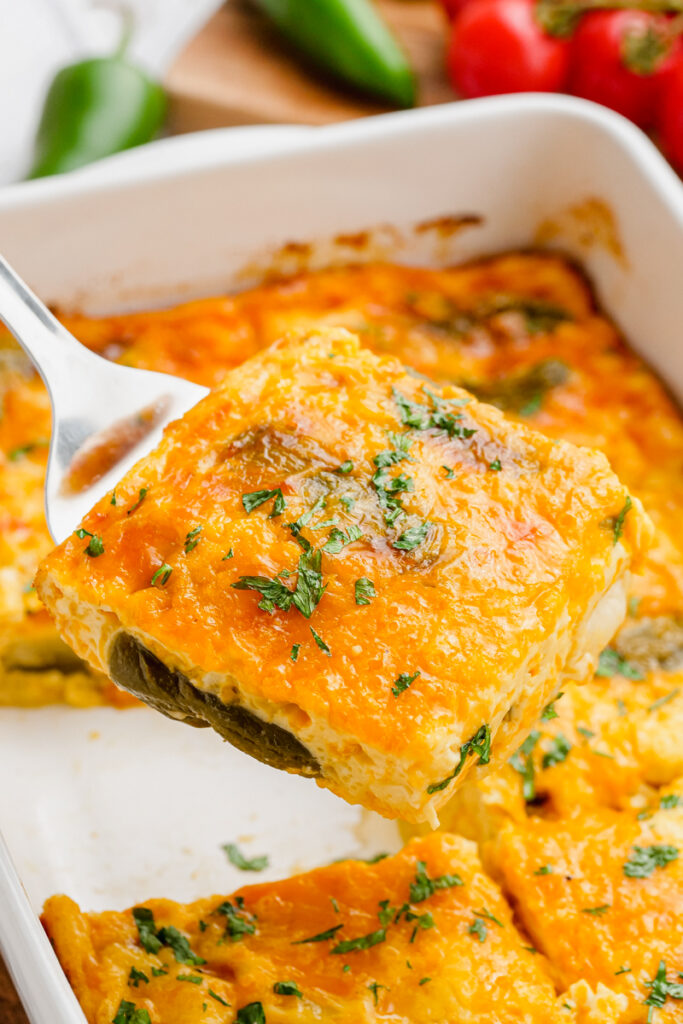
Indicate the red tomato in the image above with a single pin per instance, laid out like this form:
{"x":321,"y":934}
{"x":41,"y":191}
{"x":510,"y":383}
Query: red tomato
{"x":498,"y":46}
{"x":670,"y":115}
{"x":617,"y":58}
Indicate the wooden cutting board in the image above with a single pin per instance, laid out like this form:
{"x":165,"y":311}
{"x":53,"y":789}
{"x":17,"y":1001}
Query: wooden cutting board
{"x":239,"y":71}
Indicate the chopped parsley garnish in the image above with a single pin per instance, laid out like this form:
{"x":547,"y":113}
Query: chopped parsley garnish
{"x":338,"y":539}
{"x":661,"y":701}
{"x":364,"y":590}
{"x":597,"y":911}
{"x":274,"y":594}
{"x":412,"y":537}
{"x":479,"y":929}
{"x":142,"y":494}
{"x":670,"y":801}
{"x":147,"y":932}
{"x":236,"y":857}
{"x":136,"y":976}
{"x":622,"y":970}
{"x":403,"y":682}
{"x":161,"y":576}
{"x":177,"y":942}
{"x":335,"y":905}
{"x":375,"y":859}
{"x":531,"y":407}
{"x":362,"y":942}
{"x":203,"y":926}
{"x":557,"y":752}
{"x":587,"y":734}
{"x":237,"y":921}
{"x":488,"y":916}
{"x":25,"y":449}
{"x":549,"y":711}
{"x":128,"y":1014}
{"x":495,"y":465}
{"x":252,"y":1013}
{"x":611,"y":663}
{"x":113,"y":497}
{"x":295,"y":651}
{"x":423,"y":981}
{"x":645,"y":859}
{"x":255,"y":498}
{"x":616,"y":523}
{"x":96,"y":544}
{"x":374,"y":987}
{"x":422,"y":886}
{"x":219,"y":999}
{"x":523,"y":762}
{"x":192,"y":539}
{"x":450,"y":473}
{"x":321,"y":936}
{"x":479,"y":744}
{"x":545,"y":869}
{"x":441,"y":416}
{"x":345,"y":468}
{"x":321,"y":643}
{"x":229,"y":555}
{"x":159,"y":972}
{"x":193,"y":979}
{"x":287,"y":988}
{"x":661,"y":990}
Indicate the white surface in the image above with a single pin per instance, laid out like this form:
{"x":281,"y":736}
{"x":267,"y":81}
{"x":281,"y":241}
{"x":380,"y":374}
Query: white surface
{"x":141,"y":809}
{"x":37,"y":37}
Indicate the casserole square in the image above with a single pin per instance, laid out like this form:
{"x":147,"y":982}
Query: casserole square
{"x":351,"y":573}
{"x":423,"y":936}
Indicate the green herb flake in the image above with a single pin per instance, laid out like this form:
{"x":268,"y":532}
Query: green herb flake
{"x":113,"y":497}
{"x":159,"y":972}
{"x":523,"y":763}
{"x":360,"y":943}
{"x":252,"y":1013}
{"x":321,"y":936}
{"x":321,"y":643}
{"x":345,"y":468}
{"x":533,"y":406}
{"x":256,"y":498}
{"x":495,"y":465}
{"x":479,"y":929}
{"x":338,"y":540}
{"x":287,"y":988}
{"x":192,"y":539}
{"x":364,"y":590}
{"x":180,"y":946}
{"x":645,"y":859}
{"x":587,"y":734}
{"x":95,"y":546}
{"x":549,"y":711}
{"x":479,"y":744}
{"x":488,"y":916}
{"x":193,"y":979}
{"x":162,"y":575}
{"x":530,"y":949}
{"x":136,"y":976}
{"x":597,"y":911}
{"x":128,"y":1014}
{"x":295,"y":651}
{"x":450,"y":473}
{"x":403,"y":682}
{"x":412,"y":537}
{"x":422,"y":886}
{"x":616,"y":523}
{"x":230,"y":554}
{"x":374,"y":988}
{"x":25,"y":449}
{"x":661,"y":701}
{"x":622,"y":970}
{"x":611,"y":663}
{"x":237,"y":922}
{"x":423,"y":981}
{"x":670,"y":801}
{"x":375,"y":859}
{"x":545,"y":869}
{"x":219,"y":999}
{"x":142,"y":494}
{"x":557,"y":752}
{"x":236,"y":857}
{"x":147,"y":932}
{"x":335,"y":905}
{"x":661,"y":990}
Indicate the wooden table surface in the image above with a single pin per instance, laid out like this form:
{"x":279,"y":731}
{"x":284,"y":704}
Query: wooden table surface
{"x":238,"y":71}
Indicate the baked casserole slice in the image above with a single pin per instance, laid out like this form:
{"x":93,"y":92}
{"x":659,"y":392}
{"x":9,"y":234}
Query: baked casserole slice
{"x":424,"y":936}
{"x":351,"y":573}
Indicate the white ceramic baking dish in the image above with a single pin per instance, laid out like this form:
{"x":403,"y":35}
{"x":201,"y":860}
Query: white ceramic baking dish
{"x":112,"y":807}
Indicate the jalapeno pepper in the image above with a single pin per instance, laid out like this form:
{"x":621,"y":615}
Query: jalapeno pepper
{"x":349,"y":39}
{"x":95,"y":108}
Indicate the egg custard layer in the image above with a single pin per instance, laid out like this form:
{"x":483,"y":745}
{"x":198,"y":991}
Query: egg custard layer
{"x":424,"y":936}
{"x":293,"y":566}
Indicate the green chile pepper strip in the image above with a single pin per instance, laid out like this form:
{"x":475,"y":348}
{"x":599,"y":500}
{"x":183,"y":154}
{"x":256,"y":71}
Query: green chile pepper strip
{"x":349,"y":39}
{"x":93,"y":109}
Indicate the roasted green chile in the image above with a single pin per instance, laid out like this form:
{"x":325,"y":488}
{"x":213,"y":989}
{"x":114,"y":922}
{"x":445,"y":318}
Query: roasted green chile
{"x":137,"y":670}
{"x":348,"y":39}
{"x":93,"y":109}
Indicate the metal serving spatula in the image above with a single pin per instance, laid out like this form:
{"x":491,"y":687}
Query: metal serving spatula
{"x":104,"y":416}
